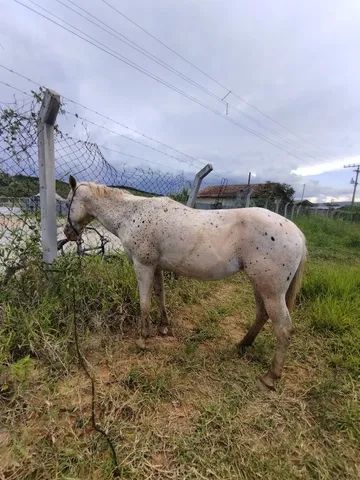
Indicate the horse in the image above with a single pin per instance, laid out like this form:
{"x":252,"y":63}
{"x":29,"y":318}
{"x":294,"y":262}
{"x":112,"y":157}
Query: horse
{"x":158,"y":233}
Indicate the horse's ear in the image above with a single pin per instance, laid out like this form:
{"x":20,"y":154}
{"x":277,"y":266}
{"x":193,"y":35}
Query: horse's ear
{"x":72,"y":183}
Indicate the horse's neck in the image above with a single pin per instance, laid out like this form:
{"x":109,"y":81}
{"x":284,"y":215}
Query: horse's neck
{"x":111,"y":210}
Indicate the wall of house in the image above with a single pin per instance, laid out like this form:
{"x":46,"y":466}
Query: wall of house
{"x":207,"y":203}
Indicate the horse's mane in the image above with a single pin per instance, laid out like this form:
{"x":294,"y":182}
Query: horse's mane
{"x":103,"y":191}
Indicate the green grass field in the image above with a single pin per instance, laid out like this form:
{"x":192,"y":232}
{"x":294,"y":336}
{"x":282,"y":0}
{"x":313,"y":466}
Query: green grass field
{"x":188,"y":407}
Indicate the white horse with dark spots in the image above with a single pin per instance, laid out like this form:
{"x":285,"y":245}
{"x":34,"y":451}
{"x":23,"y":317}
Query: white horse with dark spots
{"x":161,"y":234}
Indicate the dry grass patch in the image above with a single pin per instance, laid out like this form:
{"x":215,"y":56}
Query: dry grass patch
{"x":188,"y":407}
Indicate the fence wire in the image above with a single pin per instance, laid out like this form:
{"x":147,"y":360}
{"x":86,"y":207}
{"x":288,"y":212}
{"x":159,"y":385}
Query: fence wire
{"x":19,"y":186}
{"x":19,"y":182}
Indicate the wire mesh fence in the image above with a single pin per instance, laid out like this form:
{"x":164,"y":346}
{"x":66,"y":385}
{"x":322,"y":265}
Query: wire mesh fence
{"x":19,"y":183}
{"x":19,"y":186}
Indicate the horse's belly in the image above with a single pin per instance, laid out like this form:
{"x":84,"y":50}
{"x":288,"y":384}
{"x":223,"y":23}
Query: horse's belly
{"x":206,"y":266}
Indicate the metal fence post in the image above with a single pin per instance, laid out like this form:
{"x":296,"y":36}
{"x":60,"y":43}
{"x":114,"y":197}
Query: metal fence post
{"x":196,"y":184}
{"x":46,"y":157}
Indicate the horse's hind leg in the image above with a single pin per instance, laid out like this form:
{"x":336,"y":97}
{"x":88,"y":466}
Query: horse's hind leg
{"x":279,"y":315}
{"x":261,"y":318}
{"x":145,"y":278}
{"x":165,"y":326}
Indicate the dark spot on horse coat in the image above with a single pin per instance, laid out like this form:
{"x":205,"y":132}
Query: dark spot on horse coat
{"x":265,"y":233}
{"x":273,"y":239}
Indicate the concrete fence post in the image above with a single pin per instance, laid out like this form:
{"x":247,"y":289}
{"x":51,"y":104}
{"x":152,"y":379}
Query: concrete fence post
{"x":277,"y":204}
{"x":196,"y":184}
{"x":292,"y":211}
{"x":248,"y":198}
{"x":237,"y":203}
{"x":285,"y":208}
{"x":46,"y":158}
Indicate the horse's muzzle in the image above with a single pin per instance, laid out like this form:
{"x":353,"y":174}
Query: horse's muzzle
{"x":70,"y":233}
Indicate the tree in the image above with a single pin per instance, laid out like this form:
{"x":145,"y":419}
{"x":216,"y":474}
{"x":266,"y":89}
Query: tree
{"x":181,"y":196}
{"x":283,"y":191}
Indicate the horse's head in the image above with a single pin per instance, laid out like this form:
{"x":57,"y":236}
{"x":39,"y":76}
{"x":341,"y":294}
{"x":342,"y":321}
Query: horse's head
{"x":78,"y":216}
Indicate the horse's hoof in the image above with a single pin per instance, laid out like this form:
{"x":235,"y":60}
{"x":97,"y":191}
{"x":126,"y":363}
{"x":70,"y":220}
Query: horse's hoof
{"x":140,"y":343}
{"x":268,"y":382}
{"x":165,"y":330}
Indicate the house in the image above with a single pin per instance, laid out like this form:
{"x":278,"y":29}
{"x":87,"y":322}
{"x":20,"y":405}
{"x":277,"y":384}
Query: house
{"x":232,"y":196}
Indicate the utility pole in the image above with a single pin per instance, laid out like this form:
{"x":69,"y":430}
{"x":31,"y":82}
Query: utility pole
{"x":249,"y":178}
{"x":356,"y":170}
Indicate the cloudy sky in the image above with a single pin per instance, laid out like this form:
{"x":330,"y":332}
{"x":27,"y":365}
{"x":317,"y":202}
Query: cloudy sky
{"x":296,"y":62}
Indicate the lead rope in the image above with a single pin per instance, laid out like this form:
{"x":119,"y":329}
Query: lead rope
{"x":116,"y":469}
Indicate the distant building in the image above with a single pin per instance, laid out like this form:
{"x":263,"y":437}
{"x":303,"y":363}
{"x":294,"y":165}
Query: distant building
{"x":232,"y":196}
{"x":330,"y":205}
{"x":32,"y":204}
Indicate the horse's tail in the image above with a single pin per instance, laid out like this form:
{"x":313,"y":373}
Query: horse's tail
{"x":295,"y":284}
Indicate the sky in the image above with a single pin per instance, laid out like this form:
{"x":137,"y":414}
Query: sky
{"x":290,"y":71}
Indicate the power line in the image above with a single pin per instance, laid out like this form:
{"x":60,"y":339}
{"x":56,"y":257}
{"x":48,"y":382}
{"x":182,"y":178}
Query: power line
{"x":123,"y":38}
{"x":14,"y":88}
{"x":91,"y":122}
{"x":115,"y":33}
{"x":99,"y":45}
{"x":194,"y":159}
{"x":210,"y":77}
{"x":123,"y":59}
{"x":126,"y":154}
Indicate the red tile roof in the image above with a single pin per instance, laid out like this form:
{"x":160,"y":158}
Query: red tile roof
{"x":231,"y":191}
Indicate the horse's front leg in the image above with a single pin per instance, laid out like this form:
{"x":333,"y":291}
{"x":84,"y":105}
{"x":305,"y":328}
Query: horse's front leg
{"x":145,"y":278}
{"x":165,"y":325}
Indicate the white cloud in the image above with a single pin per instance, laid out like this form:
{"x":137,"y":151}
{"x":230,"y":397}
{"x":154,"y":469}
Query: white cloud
{"x":307,"y":82}
{"x":324,"y":167}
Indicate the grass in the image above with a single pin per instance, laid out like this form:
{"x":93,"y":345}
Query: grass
{"x":188,"y":407}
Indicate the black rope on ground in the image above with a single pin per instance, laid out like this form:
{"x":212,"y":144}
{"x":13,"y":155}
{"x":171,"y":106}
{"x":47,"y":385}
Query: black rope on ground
{"x":116,"y":469}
